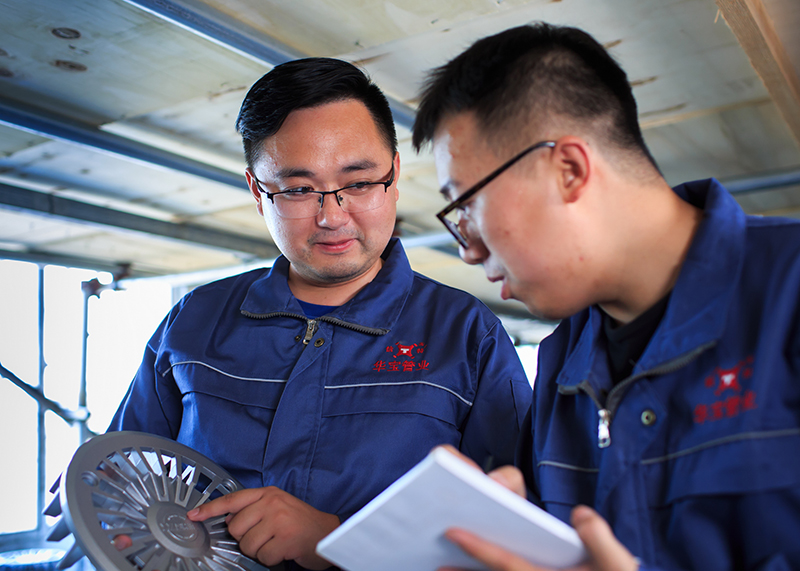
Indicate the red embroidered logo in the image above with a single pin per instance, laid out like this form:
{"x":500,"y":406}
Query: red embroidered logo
{"x":403,"y":358}
{"x":405,"y":349}
{"x":724,"y":382}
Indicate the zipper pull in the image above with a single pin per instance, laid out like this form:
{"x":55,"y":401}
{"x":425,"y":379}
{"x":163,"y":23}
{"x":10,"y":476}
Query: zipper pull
{"x":311,"y":328}
{"x":603,"y":430}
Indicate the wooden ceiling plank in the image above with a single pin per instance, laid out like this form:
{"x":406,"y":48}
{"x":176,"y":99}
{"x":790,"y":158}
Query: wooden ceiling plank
{"x":755,"y":31}
{"x":680,"y":117}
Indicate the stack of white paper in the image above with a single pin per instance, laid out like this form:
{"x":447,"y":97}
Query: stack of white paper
{"x":403,"y":528}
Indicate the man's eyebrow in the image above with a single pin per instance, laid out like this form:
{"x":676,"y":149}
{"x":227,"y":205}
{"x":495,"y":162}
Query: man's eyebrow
{"x":357,"y":166}
{"x":294,"y":172}
{"x":300,"y":172}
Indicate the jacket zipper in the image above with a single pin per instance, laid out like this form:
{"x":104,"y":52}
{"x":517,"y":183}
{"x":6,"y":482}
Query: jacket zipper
{"x":333,"y":320}
{"x":605,"y":412}
{"x":311,"y":328}
{"x":604,"y":428}
{"x":604,"y":415}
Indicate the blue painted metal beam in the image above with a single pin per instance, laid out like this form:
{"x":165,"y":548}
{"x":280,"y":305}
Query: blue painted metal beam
{"x":763,"y":181}
{"x":22,"y":116}
{"x":41,"y":257}
{"x":221,"y":29}
{"x":16,"y":198}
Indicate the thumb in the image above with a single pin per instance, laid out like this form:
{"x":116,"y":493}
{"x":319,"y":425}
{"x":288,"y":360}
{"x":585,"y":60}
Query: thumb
{"x":511,"y":478}
{"x":604,"y":548}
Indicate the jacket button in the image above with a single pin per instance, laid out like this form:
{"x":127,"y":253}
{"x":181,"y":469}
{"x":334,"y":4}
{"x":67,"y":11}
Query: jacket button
{"x":648,"y":417}
{"x":319,"y":342}
{"x":297,"y":338}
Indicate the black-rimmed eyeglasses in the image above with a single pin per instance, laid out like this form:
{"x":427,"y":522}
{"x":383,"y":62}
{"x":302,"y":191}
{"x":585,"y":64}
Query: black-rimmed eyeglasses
{"x":451,"y":214}
{"x":305,"y":202}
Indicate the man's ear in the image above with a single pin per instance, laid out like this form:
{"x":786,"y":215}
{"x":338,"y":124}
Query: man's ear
{"x":396,"y":163}
{"x":573,"y":162}
{"x":251,"y":184}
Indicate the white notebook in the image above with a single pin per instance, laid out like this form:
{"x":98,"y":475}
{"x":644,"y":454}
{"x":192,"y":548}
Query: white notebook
{"x":403,"y":528}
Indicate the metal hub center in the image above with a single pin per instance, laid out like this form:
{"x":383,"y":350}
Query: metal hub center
{"x":172,"y":529}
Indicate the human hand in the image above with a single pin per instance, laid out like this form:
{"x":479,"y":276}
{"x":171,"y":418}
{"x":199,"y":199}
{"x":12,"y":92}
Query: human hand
{"x":272,"y":525}
{"x":606,"y":553}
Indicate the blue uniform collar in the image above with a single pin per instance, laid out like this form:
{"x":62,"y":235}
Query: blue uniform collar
{"x":698,"y":306}
{"x":377,"y":306}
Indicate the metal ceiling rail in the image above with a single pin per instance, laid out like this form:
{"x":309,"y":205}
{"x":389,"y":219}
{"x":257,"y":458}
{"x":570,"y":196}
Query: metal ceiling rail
{"x":44,"y":258}
{"x":203,"y":20}
{"x":44,"y":203}
{"x":213,"y":25}
{"x":762,"y":181}
{"x":40,"y":122}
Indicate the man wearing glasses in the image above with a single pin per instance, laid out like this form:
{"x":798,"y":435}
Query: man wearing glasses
{"x":668,"y":399}
{"x":320,"y":381}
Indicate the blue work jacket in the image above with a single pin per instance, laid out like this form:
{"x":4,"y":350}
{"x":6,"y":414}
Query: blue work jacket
{"x":333,"y":409}
{"x":694,"y":459}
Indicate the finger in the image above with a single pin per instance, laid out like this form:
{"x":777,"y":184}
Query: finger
{"x":260,"y":544}
{"x":511,"y":478}
{"x":494,"y":557}
{"x":229,"y":503}
{"x":267,"y":557}
{"x":122,"y":542}
{"x":455,"y":452}
{"x":259,"y":516}
{"x":604,"y":548}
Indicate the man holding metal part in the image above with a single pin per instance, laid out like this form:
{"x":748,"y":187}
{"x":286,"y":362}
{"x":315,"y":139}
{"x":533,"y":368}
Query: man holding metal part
{"x":666,"y":415}
{"x":320,"y":381}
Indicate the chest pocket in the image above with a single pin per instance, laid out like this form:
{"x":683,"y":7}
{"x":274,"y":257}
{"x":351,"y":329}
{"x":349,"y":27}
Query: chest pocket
{"x":385,"y":428}
{"x":411,"y":397}
{"x":736,"y":490}
{"x":226,"y":416}
{"x":739,"y":464}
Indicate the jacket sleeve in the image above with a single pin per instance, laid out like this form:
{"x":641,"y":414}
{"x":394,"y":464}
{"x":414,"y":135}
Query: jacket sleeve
{"x":153,"y":401}
{"x":502,"y":399}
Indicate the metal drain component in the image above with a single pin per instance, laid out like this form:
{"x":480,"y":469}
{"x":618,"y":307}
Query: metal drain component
{"x":142,"y":486}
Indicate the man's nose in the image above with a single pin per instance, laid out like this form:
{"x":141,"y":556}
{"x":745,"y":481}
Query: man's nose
{"x":331,"y":214}
{"x":476,"y":252}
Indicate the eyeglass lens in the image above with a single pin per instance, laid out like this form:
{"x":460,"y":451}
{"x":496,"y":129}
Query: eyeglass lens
{"x":451,"y":221}
{"x":308,"y":204}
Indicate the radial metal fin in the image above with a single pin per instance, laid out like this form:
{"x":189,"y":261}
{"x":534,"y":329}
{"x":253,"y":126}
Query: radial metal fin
{"x":59,"y":531}
{"x":56,"y":484}
{"x":54,"y":509}
{"x":71,"y":558}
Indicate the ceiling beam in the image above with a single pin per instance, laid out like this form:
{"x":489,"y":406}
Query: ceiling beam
{"x":43,"y":258}
{"x":220,"y":28}
{"x":762,"y":181}
{"x":213,"y":25}
{"x":755,"y":31}
{"x":25,"y":200}
{"x":40,"y":122}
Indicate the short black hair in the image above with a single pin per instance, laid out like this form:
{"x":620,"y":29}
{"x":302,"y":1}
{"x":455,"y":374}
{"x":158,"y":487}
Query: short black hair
{"x":533,"y":72}
{"x":305,"y":83}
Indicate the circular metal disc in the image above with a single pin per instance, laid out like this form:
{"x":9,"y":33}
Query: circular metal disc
{"x":142,"y":486}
